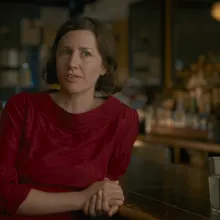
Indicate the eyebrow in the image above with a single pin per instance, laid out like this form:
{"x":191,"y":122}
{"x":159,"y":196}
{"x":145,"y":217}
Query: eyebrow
{"x":82,"y":48}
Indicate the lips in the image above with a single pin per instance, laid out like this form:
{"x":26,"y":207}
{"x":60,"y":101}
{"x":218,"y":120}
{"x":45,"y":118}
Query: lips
{"x":71,"y":78}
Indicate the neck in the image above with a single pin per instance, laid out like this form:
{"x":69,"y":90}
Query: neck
{"x":75,"y":103}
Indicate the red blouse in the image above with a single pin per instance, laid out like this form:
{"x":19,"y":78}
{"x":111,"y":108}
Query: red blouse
{"x":44,"y":147}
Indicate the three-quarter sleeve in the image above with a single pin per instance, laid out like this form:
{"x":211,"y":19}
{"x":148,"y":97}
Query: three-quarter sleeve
{"x":12,"y":123}
{"x":122,"y":153}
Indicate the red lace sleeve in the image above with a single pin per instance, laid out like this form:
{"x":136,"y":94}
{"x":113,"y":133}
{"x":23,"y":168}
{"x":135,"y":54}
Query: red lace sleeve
{"x":12,"y":194}
{"x":122,"y":155}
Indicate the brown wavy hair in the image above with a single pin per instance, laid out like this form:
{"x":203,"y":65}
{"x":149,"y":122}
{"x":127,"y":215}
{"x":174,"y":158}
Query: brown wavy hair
{"x":105,"y":44}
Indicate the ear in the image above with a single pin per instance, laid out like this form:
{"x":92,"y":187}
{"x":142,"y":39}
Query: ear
{"x":103,"y":71}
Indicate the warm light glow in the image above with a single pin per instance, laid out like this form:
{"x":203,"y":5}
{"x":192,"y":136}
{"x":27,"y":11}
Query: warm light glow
{"x":139,"y":144}
{"x":215,"y":11}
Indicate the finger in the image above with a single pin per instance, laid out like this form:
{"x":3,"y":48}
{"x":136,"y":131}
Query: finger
{"x":113,"y":210}
{"x":92,"y":206}
{"x":116,"y":195}
{"x":110,"y":186}
{"x":99,"y":202}
{"x":115,"y":202}
{"x":86,"y":208}
{"x":105,"y":206}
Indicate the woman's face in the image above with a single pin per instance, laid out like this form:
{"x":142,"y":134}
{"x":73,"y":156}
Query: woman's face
{"x":78,"y":61}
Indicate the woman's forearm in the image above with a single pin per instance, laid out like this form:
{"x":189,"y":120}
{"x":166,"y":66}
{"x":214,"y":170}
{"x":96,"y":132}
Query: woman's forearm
{"x":42,"y":203}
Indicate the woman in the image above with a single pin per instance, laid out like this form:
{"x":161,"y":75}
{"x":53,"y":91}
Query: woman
{"x":62,"y":153}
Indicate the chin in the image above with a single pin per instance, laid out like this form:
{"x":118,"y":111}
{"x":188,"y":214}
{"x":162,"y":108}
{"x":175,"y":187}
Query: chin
{"x":71,"y":88}
{"x":74,"y":89}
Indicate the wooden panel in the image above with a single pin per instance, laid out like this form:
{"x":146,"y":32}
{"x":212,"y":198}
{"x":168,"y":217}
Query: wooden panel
{"x":120,"y":30}
{"x":146,"y":39}
{"x":168,"y":44}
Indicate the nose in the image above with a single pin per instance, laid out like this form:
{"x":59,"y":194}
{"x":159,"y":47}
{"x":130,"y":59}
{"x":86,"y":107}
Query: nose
{"x":74,"y":61}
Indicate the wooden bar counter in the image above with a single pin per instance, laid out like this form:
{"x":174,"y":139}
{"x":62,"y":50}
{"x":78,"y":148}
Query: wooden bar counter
{"x":180,"y":143}
{"x":164,"y":191}
{"x":197,"y":143}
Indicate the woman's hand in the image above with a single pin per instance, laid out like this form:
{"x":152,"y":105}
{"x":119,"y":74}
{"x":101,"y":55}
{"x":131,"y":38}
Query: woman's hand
{"x":106,"y":201}
{"x":111,"y":189}
{"x":98,"y":205}
{"x":113,"y":210}
{"x":93,"y":206}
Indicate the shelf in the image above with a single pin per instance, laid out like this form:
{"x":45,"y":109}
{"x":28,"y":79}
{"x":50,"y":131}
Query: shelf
{"x":7,"y":68}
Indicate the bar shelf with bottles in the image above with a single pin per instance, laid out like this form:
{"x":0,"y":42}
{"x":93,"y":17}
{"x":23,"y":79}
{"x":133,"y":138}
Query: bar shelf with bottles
{"x":192,"y":112}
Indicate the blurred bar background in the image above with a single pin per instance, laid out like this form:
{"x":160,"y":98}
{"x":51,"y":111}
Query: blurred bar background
{"x":172,"y":48}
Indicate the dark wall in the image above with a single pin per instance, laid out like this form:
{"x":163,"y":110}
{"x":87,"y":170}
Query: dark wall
{"x":195,"y":32}
{"x":11,"y":15}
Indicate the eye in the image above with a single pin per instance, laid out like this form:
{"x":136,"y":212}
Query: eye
{"x":86,"y":53}
{"x":65,"y":51}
